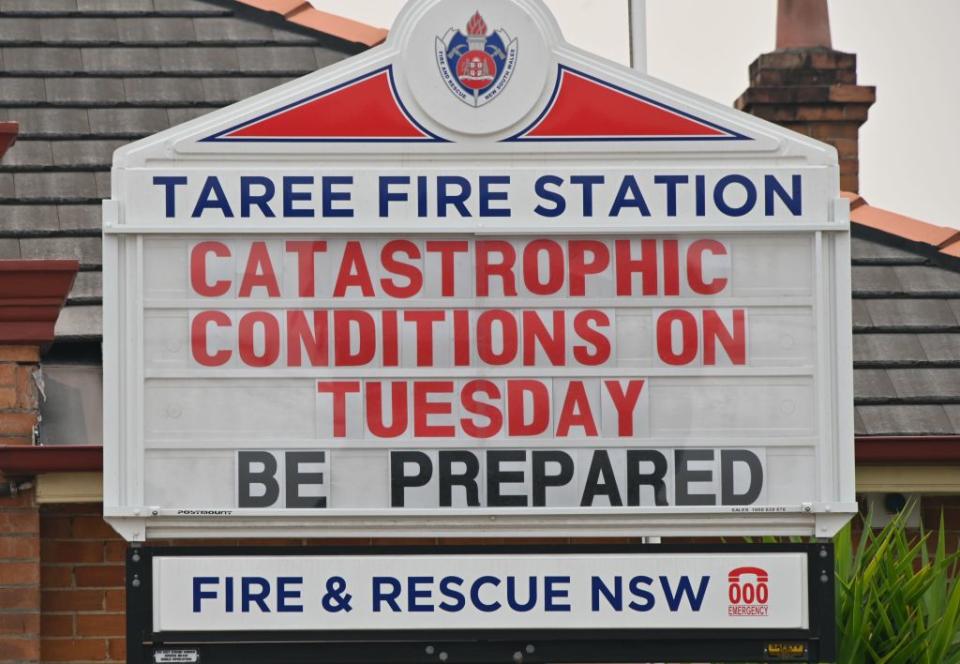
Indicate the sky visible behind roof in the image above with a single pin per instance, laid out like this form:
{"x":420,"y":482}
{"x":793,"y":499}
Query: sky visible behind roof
{"x":909,"y":149}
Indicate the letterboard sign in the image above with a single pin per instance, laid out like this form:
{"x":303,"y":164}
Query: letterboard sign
{"x":476,"y":281}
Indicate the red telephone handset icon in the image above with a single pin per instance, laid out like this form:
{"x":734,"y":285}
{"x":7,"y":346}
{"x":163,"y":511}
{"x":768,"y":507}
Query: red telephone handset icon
{"x":747,"y":591}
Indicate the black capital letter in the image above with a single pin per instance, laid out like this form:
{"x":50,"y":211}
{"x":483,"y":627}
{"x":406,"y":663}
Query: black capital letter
{"x":267,"y":478}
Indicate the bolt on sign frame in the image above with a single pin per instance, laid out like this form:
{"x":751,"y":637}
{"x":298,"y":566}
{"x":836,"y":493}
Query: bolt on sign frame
{"x":521,"y":292}
{"x":163,"y":628}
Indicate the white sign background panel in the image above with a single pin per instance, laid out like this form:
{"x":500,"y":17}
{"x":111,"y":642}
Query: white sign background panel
{"x":652,"y":583}
{"x":234,"y":393}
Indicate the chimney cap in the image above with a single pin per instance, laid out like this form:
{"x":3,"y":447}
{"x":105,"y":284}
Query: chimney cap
{"x":803,"y":24}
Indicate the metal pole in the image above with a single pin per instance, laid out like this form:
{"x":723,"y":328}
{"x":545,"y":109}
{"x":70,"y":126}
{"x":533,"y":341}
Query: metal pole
{"x":638,"y":34}
{"x":638,"y":60}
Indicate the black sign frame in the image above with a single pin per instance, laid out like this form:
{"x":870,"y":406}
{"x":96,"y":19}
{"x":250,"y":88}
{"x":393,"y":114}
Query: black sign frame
{"x":816,"y":644}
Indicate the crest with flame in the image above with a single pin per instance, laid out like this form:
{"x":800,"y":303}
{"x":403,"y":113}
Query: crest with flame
{"x":478,"y":64}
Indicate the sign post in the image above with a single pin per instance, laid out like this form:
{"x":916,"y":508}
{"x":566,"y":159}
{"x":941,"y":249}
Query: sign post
{"x":476,"y":282}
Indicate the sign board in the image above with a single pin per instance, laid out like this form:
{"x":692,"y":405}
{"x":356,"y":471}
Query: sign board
{"x":751,"y":602}
{"x":477,"y":282}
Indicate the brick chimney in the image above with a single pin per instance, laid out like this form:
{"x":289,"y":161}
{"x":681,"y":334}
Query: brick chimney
{"x":807,"y":86}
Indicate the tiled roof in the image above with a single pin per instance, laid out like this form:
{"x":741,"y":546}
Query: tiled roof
{"x":83,"y":77}
{"x":906,"y":324}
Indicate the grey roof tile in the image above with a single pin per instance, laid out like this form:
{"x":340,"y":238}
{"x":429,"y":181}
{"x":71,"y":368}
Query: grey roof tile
{"x":861,"y":315}
{"x":163,"y":90}
{"x":6,"y":185}
{"x":48,"y":121}
{"x":231,"y":29}
{"x":185,"y":114}
{"x":873,"y":384}
{"x":928,"y":279}
{"x":38,"y":5}
{"x":229,"y":90}
{"x":80,"y":321}
{"x":9,"y":248}
{"x":18,"y":90}
{"x":206,"y":60}
{"x":874,"y":279}
{"x":867,"y":251}
{"x":190,"y":6}
{"x":20,"y":29}
{"x":905,"y":420}
{"x":168,"y":30}
{"x":59,"y":31}
{"x":84,"y":249}
{"x":18,"y":219}
{"x":120,"y":60}
{"x":859,"y":428}
{"x":117,"y":5}
{"x":113,"y":121}
{"x":83,"y":90}
{"x":80,"y":218}
{"x":326,"y":56}
{"x":880,"y":348}
{"x":85,"y":153}
{"x":54,"y":186}
{"x":103,"y":184}
{"x":926,"y":384}
{"x":29,"y":154}
{"x":277,"y":59}
{"x":910,"y":314}
{"x":952,"y":412}
{"x":87,"y":287}
{"x":941,"y":347}
{"x":46,"y":60}
{"x":291,"y":37}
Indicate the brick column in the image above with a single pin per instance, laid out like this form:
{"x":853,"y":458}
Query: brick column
{"x":19,"y":516}
{"x":31,"y":296}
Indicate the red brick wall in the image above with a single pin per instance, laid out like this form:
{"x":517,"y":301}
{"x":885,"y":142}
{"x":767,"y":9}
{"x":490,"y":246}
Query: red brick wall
{"x":19,"y":580}
{"x":82,"y":579}
{"x":932,"y":507}
{"x":18,"y":394}
{"x":19,"y":546}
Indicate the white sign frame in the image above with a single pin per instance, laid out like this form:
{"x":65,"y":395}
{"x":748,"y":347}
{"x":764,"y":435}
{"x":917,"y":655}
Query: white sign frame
{"x":129,"y":224}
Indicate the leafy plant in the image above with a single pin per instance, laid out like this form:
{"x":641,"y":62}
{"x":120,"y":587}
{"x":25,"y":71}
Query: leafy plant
{"x":896,"y":603}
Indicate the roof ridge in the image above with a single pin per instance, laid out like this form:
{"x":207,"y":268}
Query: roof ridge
{"x":302,"y":13}
{"x":920,"y":237}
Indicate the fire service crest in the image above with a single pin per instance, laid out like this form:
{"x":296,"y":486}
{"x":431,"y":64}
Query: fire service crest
{"x":477,"y":65}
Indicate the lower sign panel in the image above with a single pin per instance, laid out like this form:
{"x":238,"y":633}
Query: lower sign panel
{"x":748,"y":602}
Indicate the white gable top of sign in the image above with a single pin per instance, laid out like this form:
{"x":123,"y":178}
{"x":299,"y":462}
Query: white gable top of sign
{"x":489,"y":76}
{"x":477,"y":282}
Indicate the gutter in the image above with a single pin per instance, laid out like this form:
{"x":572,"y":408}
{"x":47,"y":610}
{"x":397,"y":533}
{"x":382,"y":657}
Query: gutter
{"x":25,"y":461}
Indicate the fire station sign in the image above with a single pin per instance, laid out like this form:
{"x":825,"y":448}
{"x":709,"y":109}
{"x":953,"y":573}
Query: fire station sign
{"x":478,"y":282}
{"x":586,"y":603}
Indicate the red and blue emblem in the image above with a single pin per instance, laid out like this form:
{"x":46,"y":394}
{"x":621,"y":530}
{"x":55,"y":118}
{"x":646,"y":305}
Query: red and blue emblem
{"x":476,"y":66}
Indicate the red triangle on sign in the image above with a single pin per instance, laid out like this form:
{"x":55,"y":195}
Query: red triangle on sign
{"x":587,"y":108}
{"x":365,"y":109}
